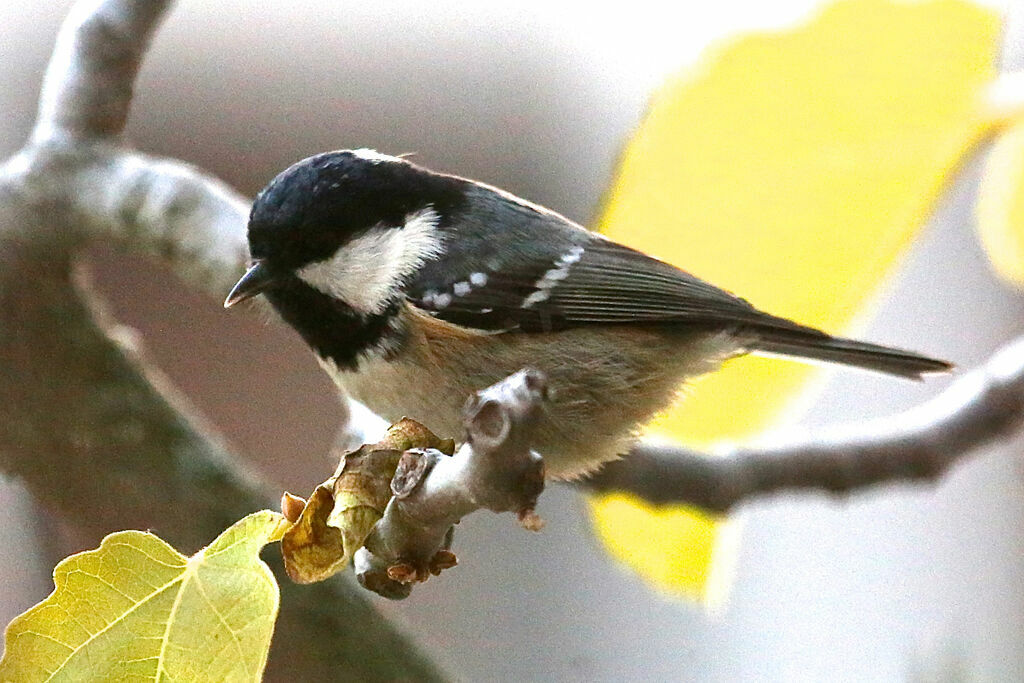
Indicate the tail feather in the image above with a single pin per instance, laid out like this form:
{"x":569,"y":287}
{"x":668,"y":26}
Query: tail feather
{"x":810,"y":344}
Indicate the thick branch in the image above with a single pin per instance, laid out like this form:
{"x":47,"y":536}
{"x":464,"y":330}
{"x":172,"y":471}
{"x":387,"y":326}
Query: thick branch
{"x":921,"y":444}
{"x":87,"y":90}
{"x":91,"y":429}
{"x":101,"y":438}
{"x":495,"y":469}
{"x":191,"y":221}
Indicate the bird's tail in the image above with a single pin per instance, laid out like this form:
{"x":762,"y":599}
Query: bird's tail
{"x":808,"y":343}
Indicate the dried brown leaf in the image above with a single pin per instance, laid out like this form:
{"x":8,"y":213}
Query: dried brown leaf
{"x":342,"y":511}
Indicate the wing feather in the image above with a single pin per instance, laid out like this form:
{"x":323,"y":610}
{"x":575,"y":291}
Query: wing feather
{"x":608,"y":283}
{"x":542,"y":273}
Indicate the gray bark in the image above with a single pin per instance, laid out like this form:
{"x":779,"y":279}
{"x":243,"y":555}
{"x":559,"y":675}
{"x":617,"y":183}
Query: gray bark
{"x":94,"y":431}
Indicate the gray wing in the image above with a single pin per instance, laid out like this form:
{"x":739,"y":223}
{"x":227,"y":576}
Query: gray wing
{"x":541,"y":272}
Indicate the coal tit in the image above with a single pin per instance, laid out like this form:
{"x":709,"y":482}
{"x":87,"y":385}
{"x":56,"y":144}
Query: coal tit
{"x":416,"y":288}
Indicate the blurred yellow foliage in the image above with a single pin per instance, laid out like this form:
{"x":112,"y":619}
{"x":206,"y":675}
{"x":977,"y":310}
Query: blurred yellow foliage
{"x":794,"y":169}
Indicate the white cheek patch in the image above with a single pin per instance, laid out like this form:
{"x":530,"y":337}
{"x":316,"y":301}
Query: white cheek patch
{"x":367,"y":272}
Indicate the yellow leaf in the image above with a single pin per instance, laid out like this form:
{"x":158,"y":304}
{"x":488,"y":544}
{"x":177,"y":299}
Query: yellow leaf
{"x":793,"y":169}
{"x":137,"y":609}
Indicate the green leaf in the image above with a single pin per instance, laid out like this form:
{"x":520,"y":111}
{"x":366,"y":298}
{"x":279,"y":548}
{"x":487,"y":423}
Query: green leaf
{"x":137,"y":609}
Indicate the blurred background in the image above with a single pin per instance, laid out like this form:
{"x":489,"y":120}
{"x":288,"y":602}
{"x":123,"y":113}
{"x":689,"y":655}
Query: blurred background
{"x":897,"y":583}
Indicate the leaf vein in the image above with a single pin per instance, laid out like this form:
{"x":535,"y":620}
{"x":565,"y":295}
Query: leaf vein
{"x":120,"y":618}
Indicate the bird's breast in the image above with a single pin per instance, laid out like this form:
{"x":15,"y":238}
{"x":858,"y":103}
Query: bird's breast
{"x":605,"y":382}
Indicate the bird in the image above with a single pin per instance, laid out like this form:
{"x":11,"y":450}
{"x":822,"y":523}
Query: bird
{"x":416,"y":288}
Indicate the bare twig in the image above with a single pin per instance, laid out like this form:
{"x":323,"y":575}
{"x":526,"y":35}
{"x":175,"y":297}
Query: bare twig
{"x":920,"y":444}
{"x":88,"y":425}
{"x":494,"y":469}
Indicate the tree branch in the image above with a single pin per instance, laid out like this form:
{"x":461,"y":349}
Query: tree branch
{"x":980,"y":407}
{"x":92,"y":429}
{"x":494,"y":469}
{"x":87,"y":90}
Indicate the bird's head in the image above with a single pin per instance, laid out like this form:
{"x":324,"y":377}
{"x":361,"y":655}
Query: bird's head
{"x":351,"y":224}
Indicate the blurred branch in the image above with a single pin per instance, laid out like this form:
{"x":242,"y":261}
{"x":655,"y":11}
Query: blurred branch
{"x":88,"y":425}
{"x":87,"y":90}
{"x":980,"y":407}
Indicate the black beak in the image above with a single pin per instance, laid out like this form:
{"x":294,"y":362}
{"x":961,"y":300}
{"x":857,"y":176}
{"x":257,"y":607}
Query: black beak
{"x":255,"y":280}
